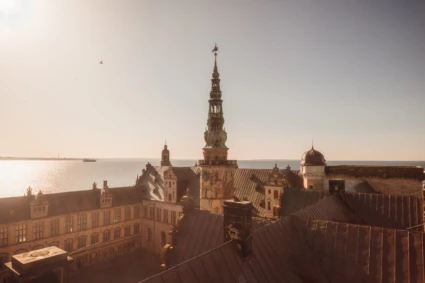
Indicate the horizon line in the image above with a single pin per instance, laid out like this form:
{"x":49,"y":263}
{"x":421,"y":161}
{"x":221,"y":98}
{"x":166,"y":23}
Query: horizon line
{"x":4,"y":158}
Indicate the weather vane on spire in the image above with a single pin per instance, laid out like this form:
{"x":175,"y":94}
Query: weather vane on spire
{"x":215,"y":50}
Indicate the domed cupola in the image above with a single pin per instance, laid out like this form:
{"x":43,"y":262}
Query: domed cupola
{"x":313,"y":157}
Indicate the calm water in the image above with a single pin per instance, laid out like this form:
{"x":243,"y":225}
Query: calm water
{"x":59,"y":176}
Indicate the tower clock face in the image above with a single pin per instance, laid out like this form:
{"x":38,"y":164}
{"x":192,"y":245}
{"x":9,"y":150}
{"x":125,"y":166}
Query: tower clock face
{"x":205,"y":176}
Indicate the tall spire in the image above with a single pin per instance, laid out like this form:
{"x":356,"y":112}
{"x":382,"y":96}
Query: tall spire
{"x":215,"y":136}
{"x":215,"y":81}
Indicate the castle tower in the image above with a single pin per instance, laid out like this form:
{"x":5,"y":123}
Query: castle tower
{"x":313,"y":169}
{"x":165,"y":156}
{"x":216,"y":171}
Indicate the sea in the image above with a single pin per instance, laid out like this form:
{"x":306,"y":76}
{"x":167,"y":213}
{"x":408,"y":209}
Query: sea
{"x":52,"y":176}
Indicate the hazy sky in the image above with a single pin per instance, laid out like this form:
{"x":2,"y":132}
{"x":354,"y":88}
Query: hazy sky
{"x":348,"y":73}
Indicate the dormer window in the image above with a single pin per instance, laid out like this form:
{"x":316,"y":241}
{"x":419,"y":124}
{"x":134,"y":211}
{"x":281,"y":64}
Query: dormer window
{"x":38,"y":206}
{"x":105,"y":198}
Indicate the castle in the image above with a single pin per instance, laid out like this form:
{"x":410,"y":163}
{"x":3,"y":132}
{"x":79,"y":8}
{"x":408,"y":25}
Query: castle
{"x":98,"y":224}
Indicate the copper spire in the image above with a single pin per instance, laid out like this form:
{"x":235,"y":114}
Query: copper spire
{"x":215,"y":135}
{"x":215,"y":72}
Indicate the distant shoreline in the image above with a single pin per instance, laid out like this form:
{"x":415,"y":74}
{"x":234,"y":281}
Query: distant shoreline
{"x":40,"y":158}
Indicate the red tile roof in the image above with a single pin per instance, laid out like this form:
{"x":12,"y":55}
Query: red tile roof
{"x":411,"y":172}
{"x":202,"y":231}
{"x":152,"y":181}
{"x":249,"y":185}
{"x":356,"y":253}
{"x":301,"y":248}
{"x":390,"y":211}
{"x":294,"y":199}
{"x":17,"y":208}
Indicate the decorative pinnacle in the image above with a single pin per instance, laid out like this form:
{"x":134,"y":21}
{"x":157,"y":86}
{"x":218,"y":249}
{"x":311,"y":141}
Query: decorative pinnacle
{"x":215,"y":50}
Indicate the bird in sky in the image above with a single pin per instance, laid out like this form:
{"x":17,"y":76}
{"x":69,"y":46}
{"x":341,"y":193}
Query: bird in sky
{"x":101,"y":62}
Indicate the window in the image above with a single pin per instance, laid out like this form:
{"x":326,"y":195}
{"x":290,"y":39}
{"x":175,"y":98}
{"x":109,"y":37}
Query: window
{"x":169,"y":197}
{"x":145,"y":212}
{"x":82,"y":241}
{"x":95,"y":238}
{"x":106,"y":235}
{"x":136,"y":211}
{"x":54,"y":227}
{"x":3,"y":236}
{"x":151,"y":212}
{"x":158,"y":214}
{"x":68,"y":245}
{"x":21,"y":233}
{"x":95,"y":219}
{"x":173,"y":217}
{"x":81,"y":222}
{"x":117,"y":233}
{"x":268,"y":205}
{"x":270,"y":192}
{"x":276,"y":194}
{"x":127,"y":231}
{"x":38,"y":230}
{"x":149,"y":235}
{"x":68,"y":224}
{"x":136,"y":229}
{"x":106,"y":217}
{"x":117,"y":215}
{"x":165,"y":216}
{"x":127,"y":213}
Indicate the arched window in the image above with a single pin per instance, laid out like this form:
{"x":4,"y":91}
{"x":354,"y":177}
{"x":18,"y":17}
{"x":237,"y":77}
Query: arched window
{"x":94,"y":238}
{"x":106,"y":235}
{"x":163,"y":238}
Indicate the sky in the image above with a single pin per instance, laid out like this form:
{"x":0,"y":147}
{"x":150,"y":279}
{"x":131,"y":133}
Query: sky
{"x":349,"y":74}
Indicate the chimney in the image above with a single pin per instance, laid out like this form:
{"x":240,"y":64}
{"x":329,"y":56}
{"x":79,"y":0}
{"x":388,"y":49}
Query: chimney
{"x":105,"y":184}
{"x":238,"y":224}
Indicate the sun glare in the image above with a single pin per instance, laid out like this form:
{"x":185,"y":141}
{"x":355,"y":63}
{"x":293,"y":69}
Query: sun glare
{"x":10,"y":6}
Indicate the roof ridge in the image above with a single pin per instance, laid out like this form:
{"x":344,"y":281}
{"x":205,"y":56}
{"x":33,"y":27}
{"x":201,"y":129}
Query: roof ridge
{"x":355,"y":224}
{"x":188,"y":260}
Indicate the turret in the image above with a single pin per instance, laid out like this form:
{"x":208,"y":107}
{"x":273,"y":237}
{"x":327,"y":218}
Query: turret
{"x":313,"y":169}
{"x":165,"y":156}
{"x":274,"y":189}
